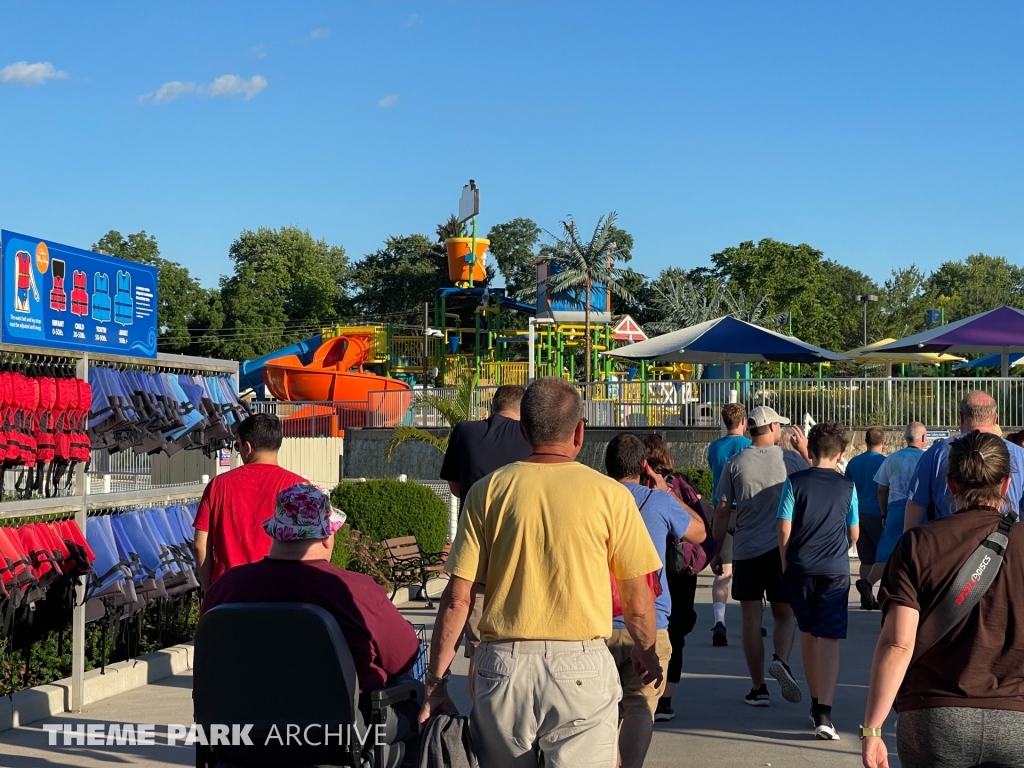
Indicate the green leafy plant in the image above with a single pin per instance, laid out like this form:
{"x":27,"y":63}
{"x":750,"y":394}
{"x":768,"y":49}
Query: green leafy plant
{"x":385,"y":509}
{"x":453,"y":411}
{"x":354,"y":551}
{"x":700,"y":479}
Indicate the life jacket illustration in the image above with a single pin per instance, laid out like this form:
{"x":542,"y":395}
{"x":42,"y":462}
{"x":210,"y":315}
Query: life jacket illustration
{"x":124,"y":305}
{"x":101,"y":297}
{"x":58,"y":297}
{"x":79,"y":296}
{"x":25,"y":279}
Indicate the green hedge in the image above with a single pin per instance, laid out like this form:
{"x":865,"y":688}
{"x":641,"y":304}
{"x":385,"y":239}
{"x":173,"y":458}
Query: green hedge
{"x":385,"y":509}
{"x":700,"y":479}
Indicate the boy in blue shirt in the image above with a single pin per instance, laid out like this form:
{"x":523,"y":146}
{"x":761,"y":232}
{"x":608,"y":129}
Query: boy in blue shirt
{"x":818,"y":524}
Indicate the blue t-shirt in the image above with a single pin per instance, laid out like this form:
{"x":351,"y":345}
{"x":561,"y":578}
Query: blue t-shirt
{"x":862,"y":469}
{"x":719,"y":452}
{"x":664,"y":518}
{"x":820,"y":503}
{"x":929,"y":484}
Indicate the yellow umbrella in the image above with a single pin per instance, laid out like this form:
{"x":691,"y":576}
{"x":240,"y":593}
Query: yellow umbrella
{"x":862,"y":355}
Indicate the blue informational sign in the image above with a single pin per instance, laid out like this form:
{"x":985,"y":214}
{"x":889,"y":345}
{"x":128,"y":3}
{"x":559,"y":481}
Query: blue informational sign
{"x":58,"y":296}
{"x":933,"y":316}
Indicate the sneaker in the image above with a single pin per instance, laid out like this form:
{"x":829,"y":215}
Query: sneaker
{"x":867,"y":597}
{"x":664,"y":711}
{"x":824,"y":730}
{"x":718,"y":636}
{"x":758,"y":697}
{"x":781,"y":672}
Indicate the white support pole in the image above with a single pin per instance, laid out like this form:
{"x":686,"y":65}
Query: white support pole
{"x":78,"y":615}
{"x":531,"y":366}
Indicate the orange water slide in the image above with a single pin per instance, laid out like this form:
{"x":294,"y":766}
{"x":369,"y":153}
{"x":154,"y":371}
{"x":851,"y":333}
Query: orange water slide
{"x":335,"y":374}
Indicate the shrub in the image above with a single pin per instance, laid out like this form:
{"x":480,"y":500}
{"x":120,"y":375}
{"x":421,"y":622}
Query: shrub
{"x":357,"y":552}
{"x":700,"y":479}
{"x":386,"y":509}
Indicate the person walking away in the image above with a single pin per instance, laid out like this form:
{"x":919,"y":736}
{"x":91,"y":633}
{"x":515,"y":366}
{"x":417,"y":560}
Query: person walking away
{"x":229,"y":521}
{"x":817,"y":526}
{"x":666,"y":518}
{"x":961,"y":693}
{"x":862,"y":469}
{"x":894,"y":478}
{"x":543,"y":534}
{"x":682,"y":586}
{"x":475,"y":449}
{"x":753,"y":481}
{"x":930,"y":497}
{"x":734,"y":419}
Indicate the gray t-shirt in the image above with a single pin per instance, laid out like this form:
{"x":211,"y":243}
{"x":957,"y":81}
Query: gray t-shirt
{"x":753,"y":480}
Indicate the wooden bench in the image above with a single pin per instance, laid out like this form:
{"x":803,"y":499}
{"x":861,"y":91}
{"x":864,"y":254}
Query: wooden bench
{"x":410,"y":565}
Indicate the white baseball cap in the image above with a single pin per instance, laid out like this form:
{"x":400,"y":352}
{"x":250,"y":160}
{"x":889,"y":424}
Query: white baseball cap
{"x":762,"y":416}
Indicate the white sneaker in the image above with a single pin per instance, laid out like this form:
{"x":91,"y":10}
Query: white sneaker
{"x":826,"y":731}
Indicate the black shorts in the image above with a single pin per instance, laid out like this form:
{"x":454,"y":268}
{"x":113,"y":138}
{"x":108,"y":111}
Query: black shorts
{"x":820,"y":603}
{"x":758,"y":577}
{"x":867,"y":540}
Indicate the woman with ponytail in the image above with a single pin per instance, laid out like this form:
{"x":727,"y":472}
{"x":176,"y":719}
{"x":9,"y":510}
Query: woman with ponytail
{"x":961,"y":702}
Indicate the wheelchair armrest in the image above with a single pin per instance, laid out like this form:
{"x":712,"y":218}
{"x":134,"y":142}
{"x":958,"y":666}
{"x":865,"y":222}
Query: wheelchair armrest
{"x":393,"y":694}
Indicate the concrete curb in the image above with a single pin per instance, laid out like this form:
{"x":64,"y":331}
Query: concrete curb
{"x":45,"y":701}
{"x":406,"y":595}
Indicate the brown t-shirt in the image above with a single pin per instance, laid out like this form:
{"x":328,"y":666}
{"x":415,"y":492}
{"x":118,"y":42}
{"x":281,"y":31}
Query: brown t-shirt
{"x":980,"y":663}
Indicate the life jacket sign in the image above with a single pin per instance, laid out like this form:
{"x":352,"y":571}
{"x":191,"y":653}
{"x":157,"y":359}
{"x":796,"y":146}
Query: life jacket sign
{"x":55,"y":295}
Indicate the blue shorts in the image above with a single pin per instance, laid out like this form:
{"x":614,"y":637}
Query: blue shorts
{"x":820,"y":603}
{"x":897,"y":511}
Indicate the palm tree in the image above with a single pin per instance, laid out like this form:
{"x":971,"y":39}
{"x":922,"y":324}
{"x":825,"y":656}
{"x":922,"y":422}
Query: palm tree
{"x":577,"y":266}
{"x":453,"y":411}
{"x":681,"y":304}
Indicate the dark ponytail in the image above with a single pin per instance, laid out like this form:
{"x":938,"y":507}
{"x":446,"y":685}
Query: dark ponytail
{"x":979,"y":462}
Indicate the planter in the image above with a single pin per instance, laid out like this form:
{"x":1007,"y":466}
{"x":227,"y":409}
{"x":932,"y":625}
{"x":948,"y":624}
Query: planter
{"x":458,"y":267}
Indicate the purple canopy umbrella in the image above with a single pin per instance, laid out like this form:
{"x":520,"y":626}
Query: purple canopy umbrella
{"x":998,"y":330}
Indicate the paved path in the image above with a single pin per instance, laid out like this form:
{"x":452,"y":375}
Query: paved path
{"x":713,"y":727}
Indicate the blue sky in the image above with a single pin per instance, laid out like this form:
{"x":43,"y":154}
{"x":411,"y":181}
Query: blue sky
{"x":881,"y":133}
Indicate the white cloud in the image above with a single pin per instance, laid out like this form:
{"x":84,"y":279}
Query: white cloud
{"x":413,"y":20}
{"x":23,"y":73}
{"x":388,"y":101}
{"x":257,"y":52}
{"x":233,"y":85}
{"x":167,"y":92}
{"x":225,"y":85}
{"x":320,"y":33}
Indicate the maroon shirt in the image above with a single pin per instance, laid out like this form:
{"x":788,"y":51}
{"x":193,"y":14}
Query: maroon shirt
{"x":382,"y":642}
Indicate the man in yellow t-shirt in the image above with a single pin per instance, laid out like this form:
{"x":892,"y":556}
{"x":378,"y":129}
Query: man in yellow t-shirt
{"x":543,"y":534}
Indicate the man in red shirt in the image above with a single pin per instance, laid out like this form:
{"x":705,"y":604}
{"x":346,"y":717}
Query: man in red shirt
{"x":229,"y":522}
{"x":298,"y":570}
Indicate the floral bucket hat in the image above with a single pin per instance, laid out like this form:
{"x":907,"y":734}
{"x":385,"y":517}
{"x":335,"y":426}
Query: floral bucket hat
{"x":303,"y":512}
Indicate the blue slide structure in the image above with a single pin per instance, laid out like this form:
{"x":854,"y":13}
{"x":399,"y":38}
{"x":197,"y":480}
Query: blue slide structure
{"x":250,"y":373}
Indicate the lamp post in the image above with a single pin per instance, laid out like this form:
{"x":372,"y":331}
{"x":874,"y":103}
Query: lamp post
{"x":864,"y":299}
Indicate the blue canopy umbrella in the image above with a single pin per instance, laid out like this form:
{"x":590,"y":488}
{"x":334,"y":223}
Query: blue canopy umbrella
{"x":726,"y":341}
{"x":998,"y":330}
{"x":989,"y":361}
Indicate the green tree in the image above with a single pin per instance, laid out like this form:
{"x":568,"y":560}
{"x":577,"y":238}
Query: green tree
{"x":904,"y":298}
{"x":182,"y":304}
{"x":977,"y":284}
{"x":393,"y":282}
{"x":578,"y":264}
{"x":285,"y":286}
{"x":514,"y":247}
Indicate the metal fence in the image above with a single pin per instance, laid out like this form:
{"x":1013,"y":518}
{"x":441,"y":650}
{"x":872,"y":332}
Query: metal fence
{"x":855,"y":403}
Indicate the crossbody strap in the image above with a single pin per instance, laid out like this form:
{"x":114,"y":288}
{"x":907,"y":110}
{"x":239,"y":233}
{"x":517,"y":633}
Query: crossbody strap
{"x":971,"y":583}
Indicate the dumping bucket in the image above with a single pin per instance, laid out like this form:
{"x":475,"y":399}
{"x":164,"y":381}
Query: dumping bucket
{"x":458,"y":267}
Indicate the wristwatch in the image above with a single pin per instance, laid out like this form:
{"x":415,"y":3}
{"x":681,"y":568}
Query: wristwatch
{"x":433,"y":679}
{"x":866,"y":732}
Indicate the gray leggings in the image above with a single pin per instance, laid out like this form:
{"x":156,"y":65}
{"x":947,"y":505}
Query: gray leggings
{"x":960,"y":737}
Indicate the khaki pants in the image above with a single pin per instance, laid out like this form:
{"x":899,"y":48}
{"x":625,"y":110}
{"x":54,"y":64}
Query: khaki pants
{"x":638,"y":698}
{"x":546,"y":703}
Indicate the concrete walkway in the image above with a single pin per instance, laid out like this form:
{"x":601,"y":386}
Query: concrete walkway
{"x":713,"y":727}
